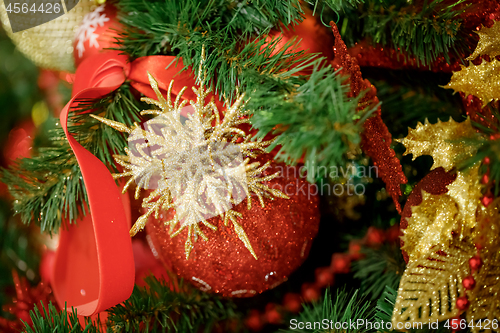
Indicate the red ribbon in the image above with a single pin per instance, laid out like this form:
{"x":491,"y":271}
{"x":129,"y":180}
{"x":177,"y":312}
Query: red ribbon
{"x":94,"y":264}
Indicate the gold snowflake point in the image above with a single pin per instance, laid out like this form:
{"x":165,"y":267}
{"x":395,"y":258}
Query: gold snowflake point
{"x":190,"y":157}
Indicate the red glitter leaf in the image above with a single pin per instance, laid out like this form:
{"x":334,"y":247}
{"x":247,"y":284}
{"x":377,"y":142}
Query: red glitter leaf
{"x":375,"y":139}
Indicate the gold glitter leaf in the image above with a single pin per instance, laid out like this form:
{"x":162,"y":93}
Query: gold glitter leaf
{"x":466,"y":191}
{"x":442,"y":141}
{"x":482,"y":81}
{"x":489,"y":42}
{"x":431,"y":284}
{"x":431,"y":223}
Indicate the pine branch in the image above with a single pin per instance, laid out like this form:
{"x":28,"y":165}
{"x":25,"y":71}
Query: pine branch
{"x":335,"y":5}
{"x":426,"y":31}
{"x":316,"y":122}
{"x":234,"y":35}
{"x":153,"y":308}
{"x":385,"y":304}
{"x":48,"y":188}
{"x":157,"y":308}
{"x":404,"y":106}
{"x":155,"y":27}
{"x":344,"y":307}
{"x":380,"y":268}
{"x":50,"y":320}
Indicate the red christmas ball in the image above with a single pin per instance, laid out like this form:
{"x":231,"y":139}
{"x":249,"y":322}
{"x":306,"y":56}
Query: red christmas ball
{"x":374,"y":236}
{"x":281,"y":235}
{"x":355,"y":249}
{"x":313,"y":37}
{"x":20,"y":141}
{"x":434,"y":183}
{"x":96,"y":33}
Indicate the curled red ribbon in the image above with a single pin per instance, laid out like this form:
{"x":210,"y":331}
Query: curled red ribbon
{"x":94,"y":264}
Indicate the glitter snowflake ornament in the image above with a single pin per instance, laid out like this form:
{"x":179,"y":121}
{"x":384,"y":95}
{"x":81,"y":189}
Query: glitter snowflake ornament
{"x":192,"y":162}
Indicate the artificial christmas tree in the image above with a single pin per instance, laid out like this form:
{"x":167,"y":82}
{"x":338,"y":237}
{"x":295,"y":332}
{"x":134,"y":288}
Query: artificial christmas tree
{"x":256,"y":151}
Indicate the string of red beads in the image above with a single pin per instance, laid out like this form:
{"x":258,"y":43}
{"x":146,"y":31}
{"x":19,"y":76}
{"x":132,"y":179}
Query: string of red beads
{"x":324,"y":277}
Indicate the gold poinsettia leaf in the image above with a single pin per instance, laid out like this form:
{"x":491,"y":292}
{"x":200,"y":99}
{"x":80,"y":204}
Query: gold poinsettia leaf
{"x":443,"y":141}
{"x":489,"y":42}
{"x":466,"y":192}
{"x":431,"y":223}
{"x":484,"y":298}
{"x":431,"y":284}
{"x":481,"y":81}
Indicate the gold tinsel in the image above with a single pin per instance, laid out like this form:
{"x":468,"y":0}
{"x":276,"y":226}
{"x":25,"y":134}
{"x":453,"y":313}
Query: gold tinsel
{"x":481,"y":81}
{"x":50,"y":45}
{"x":489,"y":42}
{"x":184,"y":146}
{"x":442,"y":141}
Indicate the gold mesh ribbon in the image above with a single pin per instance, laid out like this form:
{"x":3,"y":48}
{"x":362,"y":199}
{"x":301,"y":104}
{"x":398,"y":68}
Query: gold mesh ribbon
{"x":50,"y":45}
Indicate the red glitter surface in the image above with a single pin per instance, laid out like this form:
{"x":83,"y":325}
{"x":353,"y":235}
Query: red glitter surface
{"x":375,"y":139}
{"x":281,"y":235}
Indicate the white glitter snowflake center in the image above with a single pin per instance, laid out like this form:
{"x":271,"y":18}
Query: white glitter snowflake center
{"x":205,"y":179}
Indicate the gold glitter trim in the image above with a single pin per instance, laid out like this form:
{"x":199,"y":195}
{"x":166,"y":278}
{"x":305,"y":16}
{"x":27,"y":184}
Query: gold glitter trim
{"x":431,"y":284}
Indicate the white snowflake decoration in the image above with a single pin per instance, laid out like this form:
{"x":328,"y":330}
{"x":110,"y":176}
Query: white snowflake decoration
{"x":193,"y":164}
{"x":86,"y":31}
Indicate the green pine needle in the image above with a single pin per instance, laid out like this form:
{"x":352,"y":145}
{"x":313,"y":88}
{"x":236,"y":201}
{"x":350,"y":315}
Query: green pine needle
{"x":49,"y":320}
{"x":48,"y":188}
{"x":385,"y":304}
{"x":157,"y":307}
{"x":317,"y":122}
{"x":234,"y":35}
{"x":343,"y":307}
{"x":380,"y":268}
{"x":425,"y":31}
